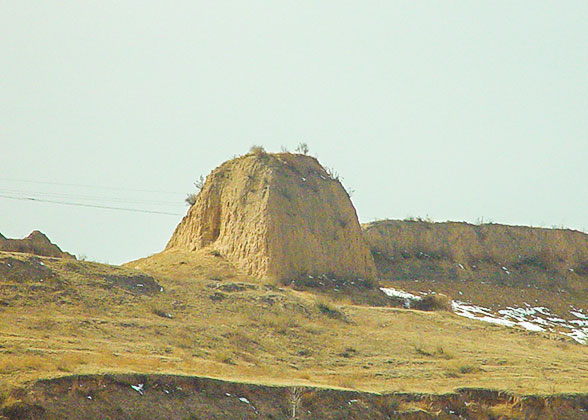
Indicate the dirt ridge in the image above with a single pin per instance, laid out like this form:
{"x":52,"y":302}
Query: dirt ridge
{"x":133,"y":396}
{"x":466,"y":243}
{"x":36,"y":243}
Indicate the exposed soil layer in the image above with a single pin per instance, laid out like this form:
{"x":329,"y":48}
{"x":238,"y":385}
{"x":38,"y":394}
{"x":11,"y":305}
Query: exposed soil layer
{"x":36,"y":243}
{"x":512,"y":247}
{"x":176,"y":397}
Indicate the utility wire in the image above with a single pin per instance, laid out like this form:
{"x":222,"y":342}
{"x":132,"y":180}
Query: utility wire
{"x":87,"y":205}
{"x":88,"y":186}
{"x":58,"y":195}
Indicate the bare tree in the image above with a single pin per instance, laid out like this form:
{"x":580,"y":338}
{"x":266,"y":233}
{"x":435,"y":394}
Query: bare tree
{"x":295,"y":397}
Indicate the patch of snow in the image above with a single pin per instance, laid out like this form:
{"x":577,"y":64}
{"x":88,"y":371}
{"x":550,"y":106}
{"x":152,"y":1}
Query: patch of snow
{"x":581,"y":336}
{"x":556,"y":320}
{"x":538,"y":318}
{"x":399,"y":293}
{"x":138,"y":388}
{"x":530,"y":326}
{"x":245,"y":400}
{"x":578,"y":314}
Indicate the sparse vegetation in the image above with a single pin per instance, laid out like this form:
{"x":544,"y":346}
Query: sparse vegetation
{"x":191,"y":197}
{"x":257,"y":150}
{"x":333,"y":174}
{"x":433,"y":302}
{"x":302,"y":148}
{"x":329,"y":310}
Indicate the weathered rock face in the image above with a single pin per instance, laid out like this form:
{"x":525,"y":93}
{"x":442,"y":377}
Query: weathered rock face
{"x":278,"y":216}
{"x":36,"y":243}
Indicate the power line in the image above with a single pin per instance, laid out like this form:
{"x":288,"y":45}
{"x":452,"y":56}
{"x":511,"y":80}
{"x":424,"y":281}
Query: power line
{"x":85,"y":197}
{"x":88,"y":186}
{"x":88,"y":205}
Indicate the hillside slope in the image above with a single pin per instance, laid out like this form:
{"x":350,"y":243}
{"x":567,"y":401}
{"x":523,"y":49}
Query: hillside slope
{"x":62,"y":316}
{"x":70,"y":319}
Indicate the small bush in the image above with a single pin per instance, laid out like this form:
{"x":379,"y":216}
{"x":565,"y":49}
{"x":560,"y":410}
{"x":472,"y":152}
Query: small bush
{"x":257,"y":150}
{"x":438,"y":352}
{"x":349,"y":352}
{"x":199,"y":184}
{"x":582,"y":268}
{"x":437,"y":302}
{"x":302,"y":148}
{"x":191,"y":198}
{"x":333,"y":174}
{"x":457,"y":368}
{"x":329,"y":310}
{"x":224,"y":357}
{"x":161,"y":313}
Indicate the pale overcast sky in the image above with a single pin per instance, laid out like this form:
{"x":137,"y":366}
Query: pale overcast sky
{"x":453,"y":110}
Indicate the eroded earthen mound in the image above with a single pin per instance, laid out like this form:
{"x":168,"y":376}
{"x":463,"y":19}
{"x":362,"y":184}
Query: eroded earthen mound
{"x":278,"y":216}
{"x":36,"y":243}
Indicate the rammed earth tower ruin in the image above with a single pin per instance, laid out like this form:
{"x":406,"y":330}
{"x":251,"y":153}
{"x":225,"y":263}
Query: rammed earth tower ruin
{"x":278,"y":216}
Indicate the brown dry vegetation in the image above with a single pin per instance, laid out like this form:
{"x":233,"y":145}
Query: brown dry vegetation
{"x":82,"y":318}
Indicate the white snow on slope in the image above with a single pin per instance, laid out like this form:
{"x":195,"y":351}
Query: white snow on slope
{"x":399,"y":293}
{"x":538,"y":318}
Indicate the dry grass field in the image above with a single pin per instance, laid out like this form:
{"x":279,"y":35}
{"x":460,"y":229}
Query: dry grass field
{"x":67,"y":317}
